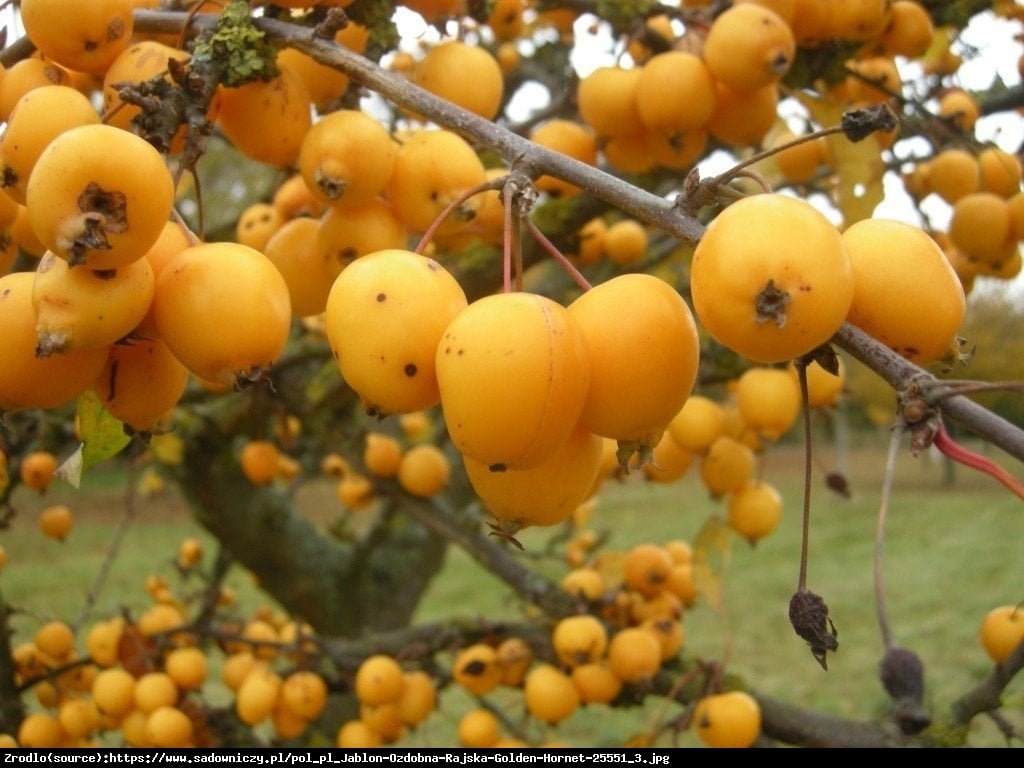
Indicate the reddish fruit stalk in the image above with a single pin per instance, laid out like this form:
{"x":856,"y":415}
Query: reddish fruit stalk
{"x":958,"y":453}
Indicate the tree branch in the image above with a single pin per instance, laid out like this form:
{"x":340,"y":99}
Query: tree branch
{"x":898,"y":372}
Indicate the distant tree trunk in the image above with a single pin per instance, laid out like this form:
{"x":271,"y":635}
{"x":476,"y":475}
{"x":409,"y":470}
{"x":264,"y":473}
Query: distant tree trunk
{"x":341,"y":588}
{"x":12,"y":710}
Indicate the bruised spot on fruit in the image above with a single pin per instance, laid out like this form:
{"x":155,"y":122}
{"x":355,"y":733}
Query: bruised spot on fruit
{"x":9,"y":178}
{"x":410,"y":369}
{"x":498,"y":467}
{"x":771,"y":304}
{"x":115,"y":31}
{"x":381,"y":298}
{"x":105,"y":274}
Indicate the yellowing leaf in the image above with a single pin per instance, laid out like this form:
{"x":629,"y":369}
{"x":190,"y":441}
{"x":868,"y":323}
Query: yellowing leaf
{"x":711,"y":550}
{"x":167,"y":448}
{"x":102,"y":434}
{"x":858,"y":165}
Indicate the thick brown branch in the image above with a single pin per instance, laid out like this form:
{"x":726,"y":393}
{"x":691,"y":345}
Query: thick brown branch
{"x":496,"y":558}
{"x":987,"y":695}
{"x":898,"y":372}
{"x":655,"y":210}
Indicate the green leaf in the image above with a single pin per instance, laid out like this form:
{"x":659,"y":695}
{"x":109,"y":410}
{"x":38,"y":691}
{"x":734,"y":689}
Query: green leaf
{"x":102,"y":436}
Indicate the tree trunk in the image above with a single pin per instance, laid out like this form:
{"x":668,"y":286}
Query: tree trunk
{"x":341,"y":588}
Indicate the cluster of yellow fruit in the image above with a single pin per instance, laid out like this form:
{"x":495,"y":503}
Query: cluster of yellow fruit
{"x":724,"y":439}
{"x":731,"y":71}
{"x":641,"y":596}
{"x":99,"y":198}
{"x":406,"y":339}
{"x":100,"y":204}
{"x":391,"y":700}
{"x":773,"y":279}
{"x":36,"y":471}
{"x":84,"y":696}
{"x":986,"y":226}
{"x":421,"y":468}
{"x":145,"y":679}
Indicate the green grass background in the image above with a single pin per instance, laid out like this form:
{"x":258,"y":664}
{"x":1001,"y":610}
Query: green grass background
{"x":952,"y":552}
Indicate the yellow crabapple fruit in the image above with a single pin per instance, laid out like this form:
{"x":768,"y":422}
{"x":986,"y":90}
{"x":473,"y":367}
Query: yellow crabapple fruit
{"x":1001,"y":631}
{"x":37,"y":118}
{"x":915,"y":304}
{"x":643,"y":362}
{"x":546,"y":494}
{"x":87,"y":40}
{"x":82,"y":308}
{"x":205,"y":313}
{"x":346,"y":157}
{"x":772,"y":278}
{"x":442,"y":71}
{"x":728,"y":720}
{"x":512,"y":421}
{"x":749,"y":47}
{"x":385,"y":315}
{"x":267,"y":120}
{"x":433,"y":169}
{"x":99,"y":196}
{"x":141,"y":382}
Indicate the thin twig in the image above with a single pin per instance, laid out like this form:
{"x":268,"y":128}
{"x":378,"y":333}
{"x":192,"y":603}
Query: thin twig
{"x":883,"y":510}
{"x":114,"y":548}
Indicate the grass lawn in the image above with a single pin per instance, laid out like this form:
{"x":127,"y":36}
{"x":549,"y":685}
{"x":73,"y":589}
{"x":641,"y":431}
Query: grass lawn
{"x":952,"y":552}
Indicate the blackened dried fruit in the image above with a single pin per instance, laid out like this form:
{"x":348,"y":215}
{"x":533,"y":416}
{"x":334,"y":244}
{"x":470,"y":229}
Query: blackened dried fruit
{"x":809,"y":616}
{"x":858,"y":124}
{"x":902,"y":676}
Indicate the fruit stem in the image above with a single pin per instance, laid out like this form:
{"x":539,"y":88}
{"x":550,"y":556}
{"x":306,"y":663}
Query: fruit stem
{"x":558,"y":256}
{"x":801,"y":370}
{"x":506,"y":240}
{"x":453,"y":205}
{"x":942,"y":440}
